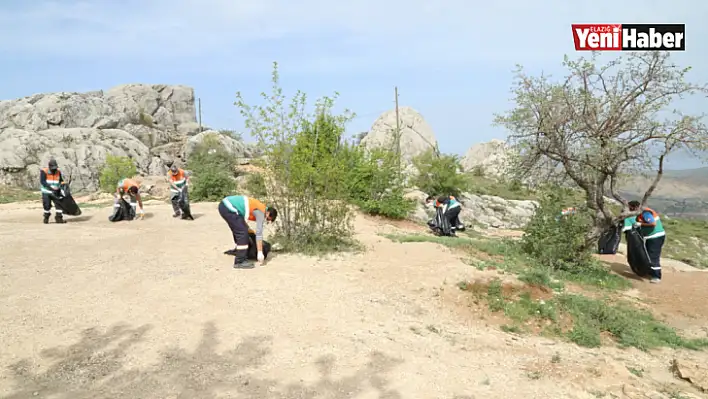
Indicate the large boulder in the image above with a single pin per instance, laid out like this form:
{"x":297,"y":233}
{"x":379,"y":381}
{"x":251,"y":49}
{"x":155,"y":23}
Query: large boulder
{"x":80,"y":152}
{"x":493,"y":158}
{"x":420,"y":213}
{"x":417,"y":135}
{"x":166,"y":107}
{"x":496,"y":212}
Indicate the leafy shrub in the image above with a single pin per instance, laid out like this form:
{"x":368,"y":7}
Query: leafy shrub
{"x":115,"y":169}
{"x":555,"y":241}
{"x":392,"y":205}
{"x":212,"y":171}
{"x":373,"y":182}
{"x":438,"y":174}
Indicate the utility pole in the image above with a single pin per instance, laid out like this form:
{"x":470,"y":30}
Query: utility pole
{"x":398,"y":133}
{"x":199,"y":101}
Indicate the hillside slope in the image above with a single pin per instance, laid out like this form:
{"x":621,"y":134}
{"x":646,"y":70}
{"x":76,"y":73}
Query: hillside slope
{"x":680,"y":192}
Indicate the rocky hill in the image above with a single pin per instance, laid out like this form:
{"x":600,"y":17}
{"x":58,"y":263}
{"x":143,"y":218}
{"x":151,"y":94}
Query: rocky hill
{"x":149,"y":123}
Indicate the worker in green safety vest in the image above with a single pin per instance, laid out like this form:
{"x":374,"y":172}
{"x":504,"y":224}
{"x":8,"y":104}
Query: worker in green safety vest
{"x":651,"y":228}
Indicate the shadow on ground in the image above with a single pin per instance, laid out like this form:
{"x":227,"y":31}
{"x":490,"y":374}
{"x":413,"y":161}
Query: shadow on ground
{"x":94,"y":368}
{"x":624,"y":271}
{"x":79,"y":219}
{"x":148,"y":215}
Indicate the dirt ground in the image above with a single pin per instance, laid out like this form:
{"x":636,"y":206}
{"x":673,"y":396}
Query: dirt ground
{"x":153,"y":309}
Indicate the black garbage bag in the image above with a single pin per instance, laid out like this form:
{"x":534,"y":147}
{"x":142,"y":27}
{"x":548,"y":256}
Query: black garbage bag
{"x":439,"y":224}
{"x":253,"y":248}
{"x":67,"y":203}
{"x":122,"y":212}
{"x":183,"y":203}
{"x":637,"y":255}
{"x":609,"y":242}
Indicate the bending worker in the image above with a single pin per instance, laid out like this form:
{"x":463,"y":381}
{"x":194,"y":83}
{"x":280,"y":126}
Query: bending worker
{"x":235,"y":209}
{"x":451,"y":210}
{"x":50,"y":182}
{"x":130,"y":187}
{"x":651,"y":228}
{"x":179,"y":181}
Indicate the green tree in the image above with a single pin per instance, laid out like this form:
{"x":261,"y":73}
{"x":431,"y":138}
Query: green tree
{"x":310,"y":196}
{"x":438,"y":174}
{"x":602,"y":122}
{"x":212,"y":169}
{"x":115,"y":169}
{"x":318,"y":141}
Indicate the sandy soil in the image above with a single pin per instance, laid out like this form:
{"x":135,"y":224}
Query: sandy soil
{"x":153,"y":309}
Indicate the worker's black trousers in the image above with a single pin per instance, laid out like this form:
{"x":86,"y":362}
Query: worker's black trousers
{"x":47,"y":201}
{"x":239,"y":229}
{"x":453,"y":216}
{"x":654,"y":246}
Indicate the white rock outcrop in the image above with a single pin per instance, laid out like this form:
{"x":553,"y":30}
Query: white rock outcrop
{"x":485,"y":211}
{"x":149,"y":123}
{"x":80,"y":152}
{"x":169,"y":108}
{"x":416,"y":134}
{"x":496,"y":212}
{"x":492,"y":157}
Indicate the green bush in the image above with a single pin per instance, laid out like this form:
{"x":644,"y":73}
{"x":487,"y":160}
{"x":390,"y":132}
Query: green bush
{"x":438,"y":174}
{"x":391,"y":205}
{"x":115,"y":169}
{"x":212,"y":171}
{"x":373,"y":182}
{"x":255,"y":185}
{"x":554,"y":241}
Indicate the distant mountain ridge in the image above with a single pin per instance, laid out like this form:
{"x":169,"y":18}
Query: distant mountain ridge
{"x":680,"y":192}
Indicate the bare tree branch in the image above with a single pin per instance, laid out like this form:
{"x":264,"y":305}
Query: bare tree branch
{"x":657,"y":179}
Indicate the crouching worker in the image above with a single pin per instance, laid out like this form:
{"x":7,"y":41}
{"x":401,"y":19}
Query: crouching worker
{"x":50,"y":182}
{"x":130,"y":187}
{"x":652,"y":230}
{"x":450,"y":208}
{"x":235,"y":209}
{"x":179,"y":181}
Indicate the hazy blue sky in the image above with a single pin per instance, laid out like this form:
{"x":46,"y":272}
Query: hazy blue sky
{"x":451,"y":59}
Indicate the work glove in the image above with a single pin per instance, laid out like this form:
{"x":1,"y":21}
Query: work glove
{"x":141,"y":214}
{"x":637,"y":224}
{"x":261,"y":257}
